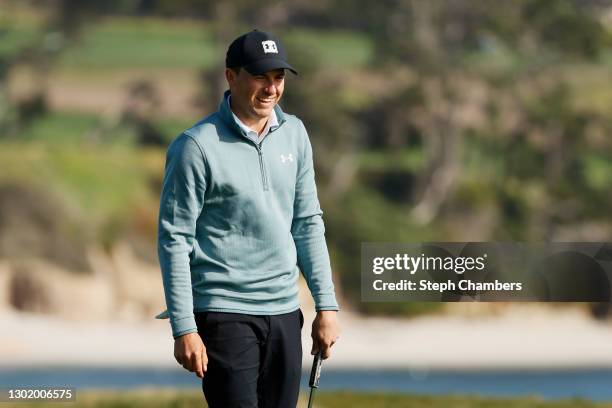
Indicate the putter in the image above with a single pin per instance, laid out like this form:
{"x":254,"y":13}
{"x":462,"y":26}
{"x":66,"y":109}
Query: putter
{"x":315,"y":375}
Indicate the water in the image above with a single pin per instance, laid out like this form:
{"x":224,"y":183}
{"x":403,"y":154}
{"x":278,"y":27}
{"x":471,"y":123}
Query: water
{"x":589,"y":384}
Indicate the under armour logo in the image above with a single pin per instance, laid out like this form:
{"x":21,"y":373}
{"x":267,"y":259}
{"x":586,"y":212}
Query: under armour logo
{"x":269,"y":46}
{"x":286,"y":158}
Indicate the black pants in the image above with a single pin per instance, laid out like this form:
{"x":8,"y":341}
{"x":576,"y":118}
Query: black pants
{"x":253,"y":361}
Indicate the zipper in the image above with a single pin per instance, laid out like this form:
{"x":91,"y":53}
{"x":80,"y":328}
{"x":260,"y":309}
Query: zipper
{"x":262,"y":168}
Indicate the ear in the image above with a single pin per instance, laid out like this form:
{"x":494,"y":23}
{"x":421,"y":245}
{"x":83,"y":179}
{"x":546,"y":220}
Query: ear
{"x":230,"y":76}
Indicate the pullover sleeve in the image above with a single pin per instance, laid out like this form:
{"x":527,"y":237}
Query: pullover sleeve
{"x":181,"y":203}
{"x":308,"y":233}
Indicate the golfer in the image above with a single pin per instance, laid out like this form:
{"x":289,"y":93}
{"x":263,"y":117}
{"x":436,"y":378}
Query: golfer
{"x":239,"y":219}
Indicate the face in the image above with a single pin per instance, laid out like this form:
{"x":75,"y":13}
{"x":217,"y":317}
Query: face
{"x":254,"y":96}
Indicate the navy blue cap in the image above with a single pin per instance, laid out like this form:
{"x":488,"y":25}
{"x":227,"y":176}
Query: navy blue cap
{"x":258,"y":52}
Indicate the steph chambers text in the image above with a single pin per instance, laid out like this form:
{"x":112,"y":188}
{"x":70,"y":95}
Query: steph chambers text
{"x":425,"y":285}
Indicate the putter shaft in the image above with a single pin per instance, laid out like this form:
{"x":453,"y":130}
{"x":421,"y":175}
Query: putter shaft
{"x":315,"y":375}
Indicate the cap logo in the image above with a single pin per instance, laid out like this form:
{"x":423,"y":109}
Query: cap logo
{"x":269,"y":46}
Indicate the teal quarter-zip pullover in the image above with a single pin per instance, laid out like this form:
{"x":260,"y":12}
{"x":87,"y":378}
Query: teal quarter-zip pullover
{"x":237,"y":219}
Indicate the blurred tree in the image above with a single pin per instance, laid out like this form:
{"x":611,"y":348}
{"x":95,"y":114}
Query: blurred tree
{"x":565,"y":25}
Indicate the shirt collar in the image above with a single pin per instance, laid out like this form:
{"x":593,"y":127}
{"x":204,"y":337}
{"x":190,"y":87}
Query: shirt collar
{"x":271,"y":124}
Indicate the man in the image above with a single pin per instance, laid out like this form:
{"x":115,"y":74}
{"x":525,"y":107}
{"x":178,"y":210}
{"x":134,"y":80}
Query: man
{"x":239,"y":213}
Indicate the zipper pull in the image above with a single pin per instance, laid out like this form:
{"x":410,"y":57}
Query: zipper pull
{"x":262,"y":168}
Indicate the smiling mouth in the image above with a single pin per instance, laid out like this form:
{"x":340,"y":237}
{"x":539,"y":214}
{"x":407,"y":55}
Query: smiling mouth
{"x":266,"y":101}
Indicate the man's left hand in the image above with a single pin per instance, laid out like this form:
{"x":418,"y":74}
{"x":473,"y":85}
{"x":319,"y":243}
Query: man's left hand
{"x":325,"y":332}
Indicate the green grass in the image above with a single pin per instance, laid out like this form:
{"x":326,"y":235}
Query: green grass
{"x":15,"y":37}
{"x":379,"y":400}
{"x":129,"y":399}
{"x":147,"y":43}
{"x":60,"y":127}
{"x":143,"y":43}
{"x":171,"y":127}
{"x":185,"y":399}
{"x":101,"y":182}
{"x":404,"y":159}
{"x":79,"y":128}
{"x":334,"y":48}
{"x":598,"y":171}
{"x":116,"y":43}
{"x":103,"y":179}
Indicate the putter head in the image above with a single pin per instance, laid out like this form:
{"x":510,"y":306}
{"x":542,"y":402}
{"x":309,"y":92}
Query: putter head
{"x":163,"y":315}
{"x":315,"y":373}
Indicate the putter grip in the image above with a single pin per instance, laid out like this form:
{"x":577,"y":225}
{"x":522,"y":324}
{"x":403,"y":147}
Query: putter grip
{"x":315,"y":373}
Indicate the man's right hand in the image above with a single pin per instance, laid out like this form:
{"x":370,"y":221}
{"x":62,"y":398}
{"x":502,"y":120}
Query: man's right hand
{"x":190,"y":352}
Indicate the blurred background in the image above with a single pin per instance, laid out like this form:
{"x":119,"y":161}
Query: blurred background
{"x":430,"y":121}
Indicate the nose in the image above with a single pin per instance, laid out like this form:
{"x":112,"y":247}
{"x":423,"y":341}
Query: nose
{"x":270,"y":87}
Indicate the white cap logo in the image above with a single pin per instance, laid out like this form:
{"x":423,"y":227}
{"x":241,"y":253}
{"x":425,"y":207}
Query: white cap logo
{"x":269,"y":46}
